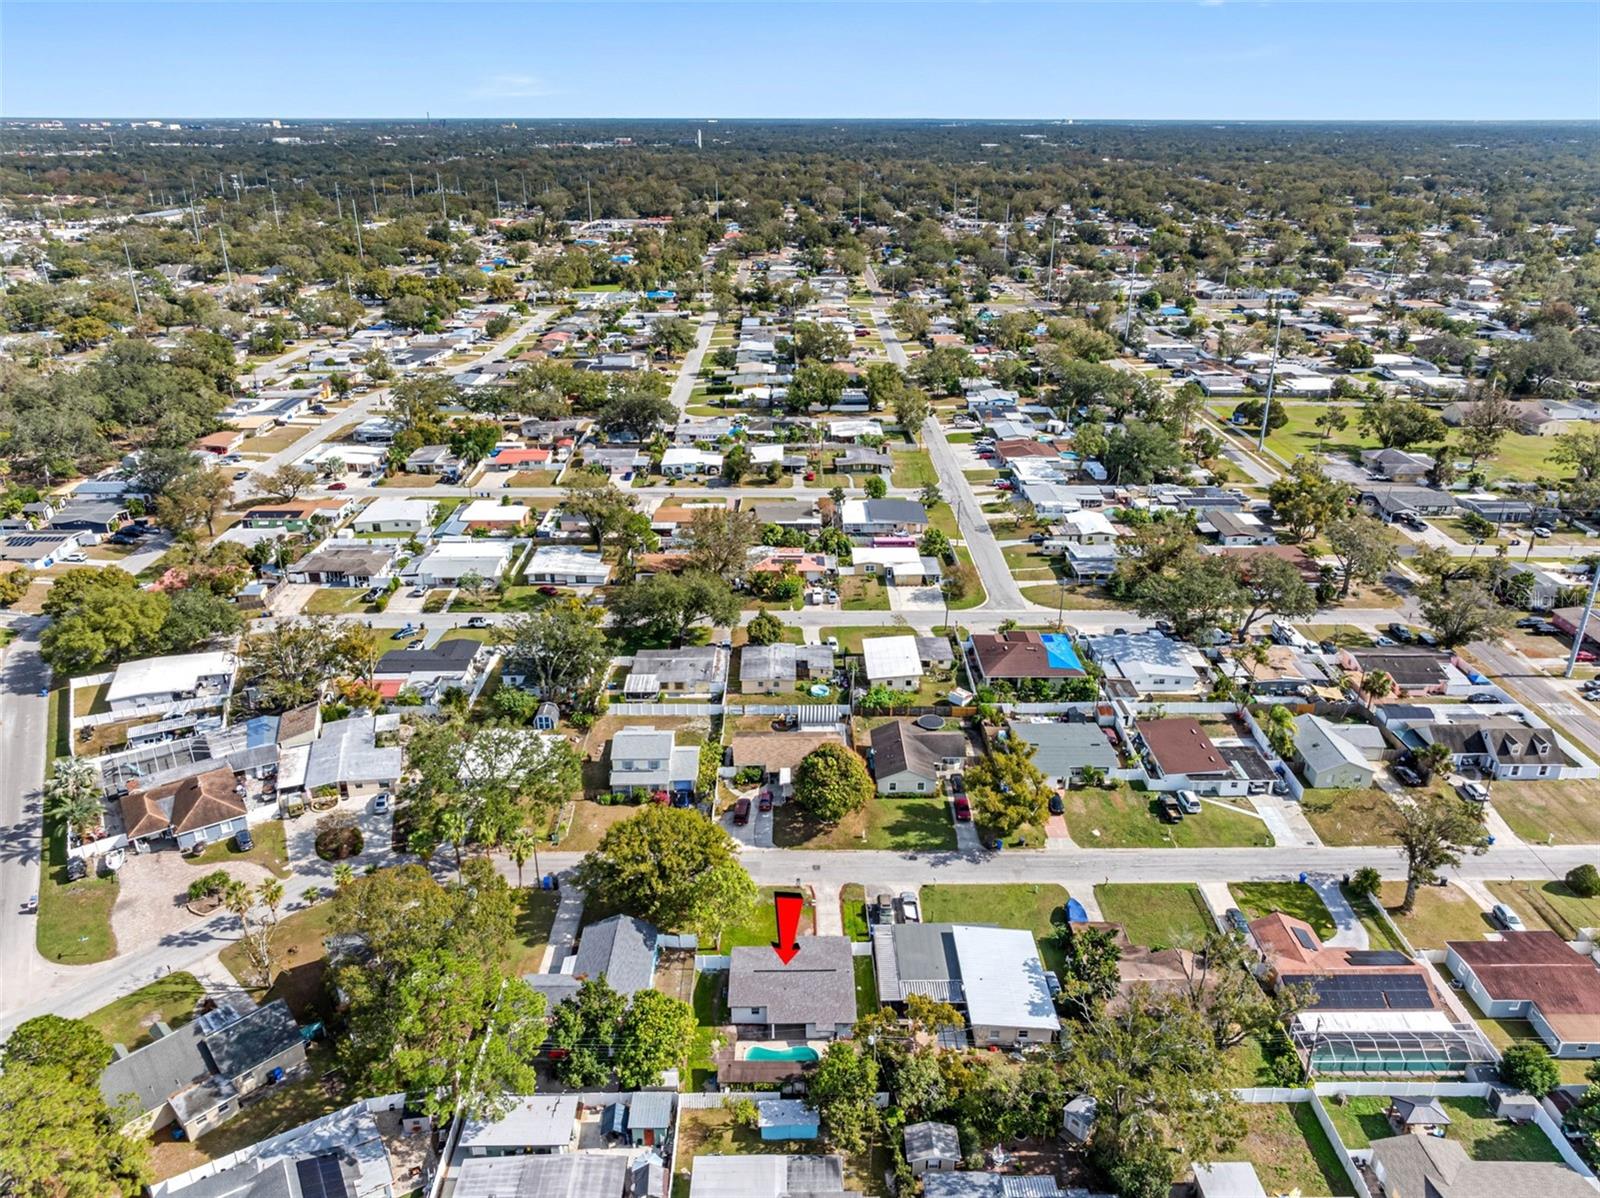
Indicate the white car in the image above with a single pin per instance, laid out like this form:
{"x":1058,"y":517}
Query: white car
{"x":910,"y":909}
{"x":1507,"y":918}
{"x":1188,"y":802}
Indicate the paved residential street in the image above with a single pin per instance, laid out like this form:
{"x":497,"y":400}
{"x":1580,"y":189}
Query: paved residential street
{"x":22,"y":762}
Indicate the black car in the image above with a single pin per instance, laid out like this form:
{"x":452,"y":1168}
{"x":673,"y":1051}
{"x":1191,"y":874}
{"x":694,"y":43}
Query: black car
{"x":76,"y":869}
{"x":1530,"y":622}
{"x":1236,"y":920}
{"x":1401,"y":633}
{"x":1405,"y":775}
{"x":243,"y":842}
{"x":1056,"y":805}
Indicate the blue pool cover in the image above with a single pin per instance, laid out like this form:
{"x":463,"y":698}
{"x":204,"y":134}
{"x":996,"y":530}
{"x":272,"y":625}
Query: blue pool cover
{"x":1058,"y":648}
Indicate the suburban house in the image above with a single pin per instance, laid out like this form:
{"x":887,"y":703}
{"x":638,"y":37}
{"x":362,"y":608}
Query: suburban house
{"x":1498,"y":746}
{"x":759,"y":1176}
{"x":198,"y":810}
{"x":1142,"y":663}
{"x":447,"y":562}
{"x":1062,"y":752}
{"x":1179,"y":754}
{"x":1326,"y":759}
{"x":800,"y":514}
{"x":992,"y":975}
{"x":644,"y":758}
{"x":535,"y":1125}
{"x":858,"y":460}
{"x":683,"y":461}
{"x":433,"y":459}
{"x":430,"y":672}
{"x":1391,"y":503}
{"x":883,"y":518}
{"x":392,"y":514}
{"x":1408,"y":1166}
{"x":812,"y":567}
{"x":1537,"y":977}
{"x":897,"y":565}
{"x":89,"y":515}
{"x":1237,"y":528}
{"x":566,"y":566}
{"x":491,"y":516}
{"x":811,"y":998}
{"x":554,"y":1171}
{"x":345,"y":759}
{"x":1374,"y":1011}
{"x":1414,"y":671}
{"x":963,"y":1184}
{"x":910,"y":760}
{"x":1086,"y":528}
{"x":892,"y":661}
{"x":768,"y":669}
{"x":161,"y":681}
{"x":197,"y":1075}
{"x":1018,"y":656}
{"x":346,"y":564}
{"x":296,"y":514}
{"x":621,"y":949}
{"x":934,"y":1146}
{"x":778,"y":754}
{"x":689,"y":672}
{"x":1396,"y":465}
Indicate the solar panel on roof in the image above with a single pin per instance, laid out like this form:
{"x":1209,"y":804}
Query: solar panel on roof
{"x":1306,"y":942}
{"x":321,"y":1177}
{"x":1377,"y":957}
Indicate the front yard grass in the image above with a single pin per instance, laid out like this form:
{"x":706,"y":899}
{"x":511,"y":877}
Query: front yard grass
{"x":853,"y":910}
{"x":337,"y":601}
{"x":170,"y":1000}
{"x":915,"y":825}
{"x":1551,"y":812}
{"x":1551,"y":905}
{"x":1290,"y":1151}
{"x":1123,"y":818}
{"x":270,"y":852}
{"x":1348,"y":817}
{"x":302,"y":960}
{"x":1440,"y":913}
{"x":1010,"y":905}
{"x":1361,"y":1120}
{"x":1295,"y":899}
{"x":857,"y":592}
{"x":1076,"y":597}
{"x":1156,"y":914}
{"x":74,"y":917}
{"x":590,"y":821}
{"x":535,"y":915}
{"x":760,"y":925}
{"x":913,"y":468}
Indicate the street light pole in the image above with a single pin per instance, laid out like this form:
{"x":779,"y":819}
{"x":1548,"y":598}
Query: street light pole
{"x":1272,"y":378}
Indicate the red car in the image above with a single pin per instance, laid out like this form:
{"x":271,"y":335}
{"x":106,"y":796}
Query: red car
{"x":811,"y":476}
{"x":963,"y":809}
{"x":765,"y":802}
{"x":741,"y":811}
{"x":338,"y":486}
{"x":547,"y":589}
{"x":1585,"y":655}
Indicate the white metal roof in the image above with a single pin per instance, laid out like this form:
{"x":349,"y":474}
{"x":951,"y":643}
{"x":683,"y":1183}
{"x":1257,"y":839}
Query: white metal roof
{"x":1003,"y":978}
{"x":891,"y":657}
{"x":167,"y":675}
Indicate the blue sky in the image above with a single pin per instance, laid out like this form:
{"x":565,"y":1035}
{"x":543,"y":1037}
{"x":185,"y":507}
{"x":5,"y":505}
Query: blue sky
{"x":1311,"y":59}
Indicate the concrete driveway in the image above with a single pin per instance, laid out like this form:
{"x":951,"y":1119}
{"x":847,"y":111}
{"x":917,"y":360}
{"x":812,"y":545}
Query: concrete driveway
{"x":151,"y":901}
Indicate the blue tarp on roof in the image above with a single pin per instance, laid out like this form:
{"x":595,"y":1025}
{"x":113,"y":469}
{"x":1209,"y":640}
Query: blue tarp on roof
{"x":1058,"y":648}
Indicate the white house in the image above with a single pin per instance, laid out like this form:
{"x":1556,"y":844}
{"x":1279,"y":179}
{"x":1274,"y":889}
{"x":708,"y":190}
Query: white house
{"x":1087,"y":528}
{"x":403,"y":517}
{"x":158,"y":681}
{"x":446,"y":563}
{"x":683,"y":460}
{"x":898,"y":565}
{"x":491,"y":516}
{"x":892,"y":661}
{"x":565,"y":565}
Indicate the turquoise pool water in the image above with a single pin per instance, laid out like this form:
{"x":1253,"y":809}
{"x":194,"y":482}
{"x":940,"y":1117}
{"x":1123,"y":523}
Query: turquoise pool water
{"x":799,"y":1052}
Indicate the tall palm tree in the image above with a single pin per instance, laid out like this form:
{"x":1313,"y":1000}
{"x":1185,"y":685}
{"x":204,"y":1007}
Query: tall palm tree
{"x":83,"y":813}
{"x":453,"y":825}
{"x":343,"y":874}
{"x":521,"y":846}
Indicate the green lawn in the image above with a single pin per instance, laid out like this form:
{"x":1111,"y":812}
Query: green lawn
{"x":301,"y":961}
{"x":760,"y":926}
{"x":126,"y":1021}
{"x":536,"y":914}
{"x":913,"y":468}
{"x":1290,"y":1151}
{"x":1346,"y":817}
{"x":1360,"y":1120}
{"x":858,"y":592}
{"x":74,"y":919}
{"x":1551,"y":812}
{"x":853,"y":910}
{"x":915,"y":825}
{"x":270,"y":851}
{"x":1156,"y":914}
{"x":1378,"y":933}
{"x":1122,"y":818}
{"x":337,"y":601}
{"x":712,"y":1133}
{"x":1549,"y":905}
{"x":866,"y":986}
{"x":1441,"y":913}
{"x":1297,"y":899}
{"x":710,"y":1013}
{"x":1015,"y":905}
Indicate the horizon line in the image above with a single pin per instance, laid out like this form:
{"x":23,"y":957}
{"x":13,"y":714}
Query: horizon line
{"x":1063,"y":122}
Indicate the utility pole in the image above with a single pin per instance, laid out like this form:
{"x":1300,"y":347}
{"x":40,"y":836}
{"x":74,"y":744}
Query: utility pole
{"x":374,"y":187}
{"x":138,"y":308}
{"x":438,"y":183}
{"x":355,"y":216}
{"x":497,"y":196}
{"x":1272,"y":378}
{"x":274,"y":193}
{"x":221,"y":236}
{"x":1050,"y":271}
{"x":1583,"y":620}
{"x":411,"y":182}
{"x":589,"y":198}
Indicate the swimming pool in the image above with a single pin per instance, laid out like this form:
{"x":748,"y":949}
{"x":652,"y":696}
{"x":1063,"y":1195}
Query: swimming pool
{"x":799,"y":1052}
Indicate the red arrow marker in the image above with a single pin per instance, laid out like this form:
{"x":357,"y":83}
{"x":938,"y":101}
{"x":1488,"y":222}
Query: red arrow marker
{"x":788,"y":905}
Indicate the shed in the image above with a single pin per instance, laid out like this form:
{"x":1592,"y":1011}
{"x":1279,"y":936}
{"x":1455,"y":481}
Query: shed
{"x":786,"y":1119}
{"x":649,"y":1117}
{"x":547,"y":717}
{"x":932,"y":1146}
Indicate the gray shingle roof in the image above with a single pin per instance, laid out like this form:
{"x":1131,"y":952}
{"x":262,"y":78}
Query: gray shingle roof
{"x":258,"y":1037}
{"x":1062,"y":748}
{"x":623,"y":949}
{"x":932,"y":1141}
{"x":817,"y":986}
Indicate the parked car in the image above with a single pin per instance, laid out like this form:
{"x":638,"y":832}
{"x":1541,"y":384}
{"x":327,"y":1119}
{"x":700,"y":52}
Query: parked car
{"x":1384,"y":642}
{"x":1401,"y":633}
{"x":1427,"y":638}
{"x":1036,"y":538}
{"x":478,"y":622}
{"x":1507,"y":918}
{"x":77,"y":869}
{"x":1170,"y":811}
{"x":417,"y":592}
{"x":963,"y":807}
{"x":832,"y":642}
{"x":30,"y":905}
{"x":243,"y":842}
{"x":380,"y":805}
{"x":1586,"y":655}
{"x":1531,"y":622}
{"x":883,"y":909}
{"x":1543,"y":530}
{"x":741,"y":812}
{"x":1188,"y":802}
{"x":1405,"y":775}
{"x":1057,"y":807}
{"x":1473,"y":792}
{"x":1484,"y":697}
{"x":910,"y":909}
{"x":340,"y":486}
{"x":400,"y":634}
{"x":240,"y":475}
{"x":1237,"y":921}
{"x":547,"y":589}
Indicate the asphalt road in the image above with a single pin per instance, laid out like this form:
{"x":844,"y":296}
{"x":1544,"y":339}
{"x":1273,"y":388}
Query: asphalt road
{"x":22,"y":762}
